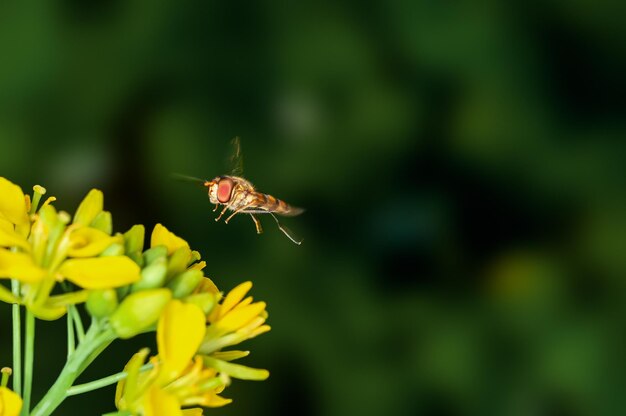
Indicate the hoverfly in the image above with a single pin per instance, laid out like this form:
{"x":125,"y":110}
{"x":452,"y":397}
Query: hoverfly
{"x":238,"y":195}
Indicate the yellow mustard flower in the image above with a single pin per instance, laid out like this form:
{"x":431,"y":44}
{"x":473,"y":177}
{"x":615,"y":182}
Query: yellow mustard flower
{"x":177,"y":379}
{"x":41,"y":249}
{"x":10,"y":402}
{"x":234,"y":320}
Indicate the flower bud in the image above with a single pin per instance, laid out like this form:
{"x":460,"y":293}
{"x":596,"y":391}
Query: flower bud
{"x":115,"y":249}
{"x":122,"y":292}
{"x":102,"y":303}
{"x":103,"y":222}
{"x":133,"y":239}
{"x":185,"y":283}
{"x":154,"y":253}
{"x":139,"y":311}
{"x":178,"y":261}
{"x":161,"y":236}
{"x":204,"y":300}
{"x":152,"y":276}
{"x":137,"y":258}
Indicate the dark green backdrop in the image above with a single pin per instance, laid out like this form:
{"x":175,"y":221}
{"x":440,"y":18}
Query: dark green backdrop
{"x":462,"y":166}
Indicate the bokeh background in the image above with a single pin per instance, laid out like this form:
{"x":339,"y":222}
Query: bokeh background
{"x":462,"y":166}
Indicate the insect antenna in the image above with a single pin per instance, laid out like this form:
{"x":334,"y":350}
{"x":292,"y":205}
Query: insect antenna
{"x":290,"y":234}
{"x":186,"y":178}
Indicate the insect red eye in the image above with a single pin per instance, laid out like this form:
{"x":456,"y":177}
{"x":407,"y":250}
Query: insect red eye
{"x":224,"y":189}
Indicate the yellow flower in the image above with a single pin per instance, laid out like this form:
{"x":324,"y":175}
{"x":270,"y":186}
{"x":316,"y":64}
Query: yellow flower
{"x":10,"y":402}
{"x":235,"y":320}
{"x":41,"y":249}
{"x":177,"y":379}
{"x":189,"y":369}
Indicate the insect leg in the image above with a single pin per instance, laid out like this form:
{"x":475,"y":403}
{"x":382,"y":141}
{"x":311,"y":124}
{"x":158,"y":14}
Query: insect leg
{"x":216,"y":206}
{"x":286,"y":230}
{"x":237,"y":212}
{"x":257,"y":223}
{"x":224,"y":210}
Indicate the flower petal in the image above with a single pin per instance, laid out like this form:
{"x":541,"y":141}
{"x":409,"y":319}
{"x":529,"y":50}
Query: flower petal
{"x":230,"y":355}
{"x":240,"y":317}
{"x":10,"y":238}
{"x":19,"y":266}
{"x":126,"y":387}
{"x":89,"y":242}
{"x":12,"y":202}
{"x":159,"y":403}
{"x":10,"y":402}
{"x":46,"y":312}
{"x":89,"y":208}
{"x":7,"y":296}
{"x":196,"y":411}
{"x":211,"y":399}
{"x":162,"y":236}
{"x":234,"y":297}
{"x":236,"y":370}
{"x":101,"y":272}
{"x":179,"y":333}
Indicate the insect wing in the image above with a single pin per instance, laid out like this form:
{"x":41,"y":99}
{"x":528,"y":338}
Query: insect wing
{"x":236,"y":158}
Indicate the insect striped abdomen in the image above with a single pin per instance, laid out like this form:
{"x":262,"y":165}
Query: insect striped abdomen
{"x":273,"y":204}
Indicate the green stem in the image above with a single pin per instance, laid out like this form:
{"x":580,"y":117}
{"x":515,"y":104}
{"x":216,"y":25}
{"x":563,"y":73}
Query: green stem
{"x":80,"y":330}
{"x":95,"y":338}
{"x":71,"y":340}
{"x":28,"y":360}
{"x":103,"y":382}
{"x":17,"y":340}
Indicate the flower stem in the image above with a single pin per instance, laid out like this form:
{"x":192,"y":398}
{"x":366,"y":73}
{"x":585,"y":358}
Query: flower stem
{"x":95,"y":338}
{"x":80,"y":331}
{"x":28,"y":360}
{"x":17,"y":340}
{"x":103,"y":382}
{"x":71,"y":340}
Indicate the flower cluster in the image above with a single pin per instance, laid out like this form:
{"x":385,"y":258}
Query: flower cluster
{"x":43,"y":247}
{"x":56,"y":261}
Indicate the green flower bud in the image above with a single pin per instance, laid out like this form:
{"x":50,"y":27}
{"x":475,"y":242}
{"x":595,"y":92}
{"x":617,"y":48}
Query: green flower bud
{"x":152,"y":276}
{"x":133,"y":239}
{"x":154,"y":253}
{"x":101,"y":303}
{"x":185,"y":283}
{"x":122,"y":292}
{"x":114,"y":249}
{"x":103,"y":222}
{"x":137,"y":258}
{"x":178,"y":261}
{"x":139,"y":311}
{"x":206,"y":301}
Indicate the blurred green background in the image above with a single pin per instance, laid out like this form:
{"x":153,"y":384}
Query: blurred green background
{"x":462,"y":166}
